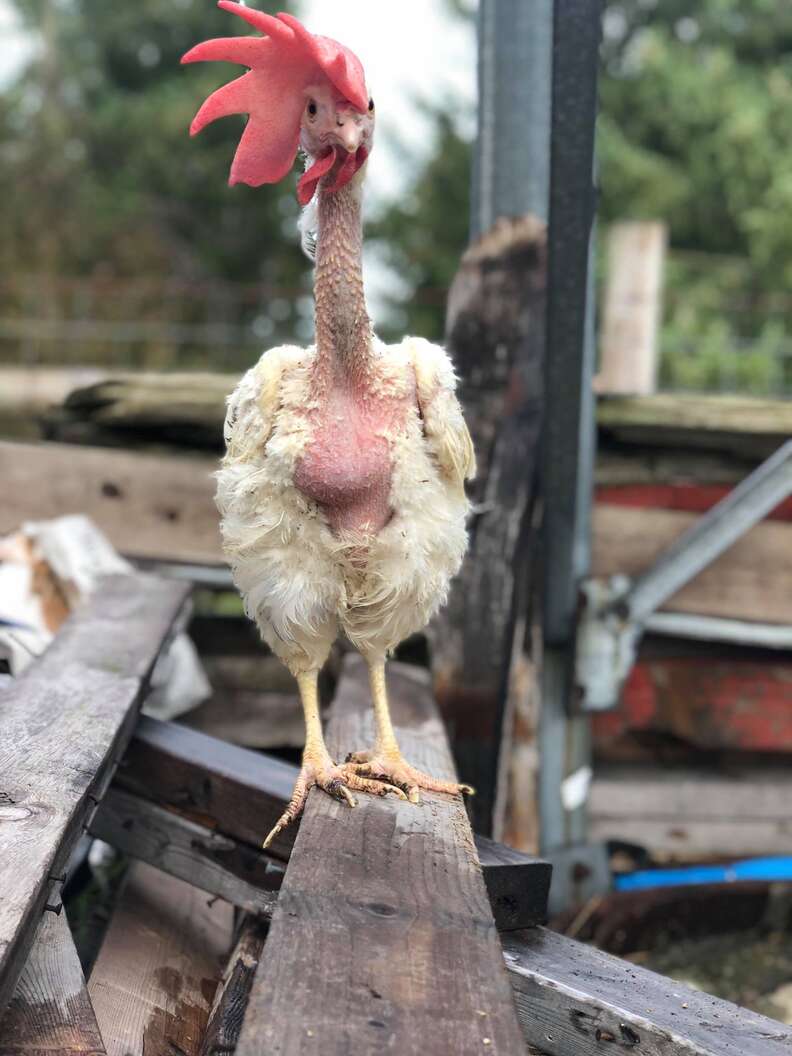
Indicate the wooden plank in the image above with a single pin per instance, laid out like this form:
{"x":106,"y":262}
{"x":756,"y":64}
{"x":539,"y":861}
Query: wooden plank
{"x":215,"y":863}
{"x":147,"y":505}
{"x":732,"y":701}
{"x":26,"y":393}
{"x":233,"y":790}
{"x":686,"y":813}
{"x":574,"y":1000}
{"x":518,"y":885}
{"x":154,"y":981}
{"x":633,"y":302}
{"x":238,"y":793}
{"x":186,"y":407}
{"x":752,"y":580}
{"x":745,"y":425}
{"x":495,"y":328}
{"x":390,"y":901}
{"x":251,"y":718}
{"x":63,"y":724}
{"x":51,"y":1013}
{"x":225,"y":1020}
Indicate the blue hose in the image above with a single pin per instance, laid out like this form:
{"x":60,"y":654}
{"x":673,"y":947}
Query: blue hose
{"x":766,"y":869}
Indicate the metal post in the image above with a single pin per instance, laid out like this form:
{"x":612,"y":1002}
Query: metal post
{"x":511,"y":166}
{"x":568,"y":439}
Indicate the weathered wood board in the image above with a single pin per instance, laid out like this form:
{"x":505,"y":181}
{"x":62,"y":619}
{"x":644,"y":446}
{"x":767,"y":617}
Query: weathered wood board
{"x":752,"y":580}
{"x":574,"y":1000}
{"x":63,"y":724}
{"x":745,"y":425}
{"x":225,"y":1020}
{"x":233,"y":793}
{"x":154,"y":981}
{"x":632,"y":308}
{"x":147,"y":505}
{"x":383,"y":936}
{"x":208,"y":860}
{"x":231,"y":789}
{"x":50,"y":1013}
{"x":686,"y":813}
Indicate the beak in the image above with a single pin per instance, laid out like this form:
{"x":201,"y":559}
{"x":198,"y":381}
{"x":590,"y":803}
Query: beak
{"x":349,"y":135}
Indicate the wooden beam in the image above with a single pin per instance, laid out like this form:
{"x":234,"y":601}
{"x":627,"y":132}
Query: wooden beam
{"x":633,"y":303}
{"x":495,"y":328}
{"x":63,"y":724}
{"x":686,"y":813}
{"x":744,"y":425}
{"x":390,"y":901}
{"x":219,"y":785}
{"x":518,"y":885}
{"x":147,"y":505}
{"x":155,"y":978}
{"x":238,"y":794}
{"x":573,"y":1000}
{"x":180,"y":408}
{"x":208,"y":860}
{"x":752,"y":580}
{"x":51,"y":1013}
{"x":225,"y":1020}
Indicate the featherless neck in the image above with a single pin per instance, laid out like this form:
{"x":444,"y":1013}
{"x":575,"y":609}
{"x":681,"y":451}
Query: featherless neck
{"x":343,"y":328}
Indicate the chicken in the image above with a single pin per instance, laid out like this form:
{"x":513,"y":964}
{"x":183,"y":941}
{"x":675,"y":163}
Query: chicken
{"x":342,"y":490}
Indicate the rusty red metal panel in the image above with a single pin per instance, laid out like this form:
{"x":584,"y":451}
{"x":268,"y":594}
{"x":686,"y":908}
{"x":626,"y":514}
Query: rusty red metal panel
{"x":708,"y":702}
{"x":693,"y":498}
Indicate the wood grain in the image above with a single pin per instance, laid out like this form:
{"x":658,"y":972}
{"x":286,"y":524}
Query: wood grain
{"x":496,"y":336}
{"x":154,"y":981}
{"x":50,"y":1013}
{"x":687,"y":813}
{"x":752,"y":580}
{"x":234,"y":793}
{"x":147,"y":505}
{"x":574,"y":1000}
{"x":215,"y":863}
{"x":63,"y":725}
{"x":225,"y":1020}
{"x":383,"y":938}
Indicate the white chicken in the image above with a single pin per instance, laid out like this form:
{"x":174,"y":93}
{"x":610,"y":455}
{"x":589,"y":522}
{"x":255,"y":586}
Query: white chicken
{"x":342,"y":490}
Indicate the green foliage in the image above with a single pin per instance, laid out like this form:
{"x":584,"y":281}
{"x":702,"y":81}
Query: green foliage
{"x":100,"y":174}
{"x":425,"y":233}
{"x":695,"y":128}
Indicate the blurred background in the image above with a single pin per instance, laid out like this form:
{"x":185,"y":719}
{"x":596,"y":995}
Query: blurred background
{"x":122,"y":244}
{"x":122,"y":249}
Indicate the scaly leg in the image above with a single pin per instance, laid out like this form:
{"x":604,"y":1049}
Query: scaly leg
{"x":317,"y":766}
{"x":385,"y":761}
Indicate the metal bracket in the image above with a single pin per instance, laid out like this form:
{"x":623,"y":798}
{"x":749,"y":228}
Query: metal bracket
{"x":616,"y":612}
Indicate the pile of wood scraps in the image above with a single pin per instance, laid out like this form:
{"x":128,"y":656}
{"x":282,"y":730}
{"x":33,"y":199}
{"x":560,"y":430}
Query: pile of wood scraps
{"x":365,"y":930}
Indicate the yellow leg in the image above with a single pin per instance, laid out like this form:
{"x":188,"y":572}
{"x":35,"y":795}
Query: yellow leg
{"x":317,"y":766}
{"x":385,"y":761}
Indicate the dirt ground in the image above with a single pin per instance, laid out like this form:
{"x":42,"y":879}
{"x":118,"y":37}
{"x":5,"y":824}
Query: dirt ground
{"x":751,"y":968}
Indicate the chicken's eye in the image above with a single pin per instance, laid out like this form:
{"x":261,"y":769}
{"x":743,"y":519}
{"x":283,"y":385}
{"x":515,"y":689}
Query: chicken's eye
{"x":371,"y":106}
{"x":312,"y":108}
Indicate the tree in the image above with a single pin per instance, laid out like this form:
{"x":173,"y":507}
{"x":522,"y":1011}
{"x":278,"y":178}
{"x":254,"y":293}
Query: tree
{"x":695,"y":128}
{"x":100,"y":175}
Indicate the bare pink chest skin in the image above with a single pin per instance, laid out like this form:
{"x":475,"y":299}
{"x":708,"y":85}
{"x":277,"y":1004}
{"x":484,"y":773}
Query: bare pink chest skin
{"x":347,"y":467}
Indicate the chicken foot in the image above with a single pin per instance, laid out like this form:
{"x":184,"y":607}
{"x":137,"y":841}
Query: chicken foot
{"x":384,"y":762}
{"x":318,"y":767}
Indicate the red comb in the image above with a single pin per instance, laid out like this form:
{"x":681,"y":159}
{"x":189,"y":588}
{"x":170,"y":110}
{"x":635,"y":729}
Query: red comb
{"x":281,"y":65}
